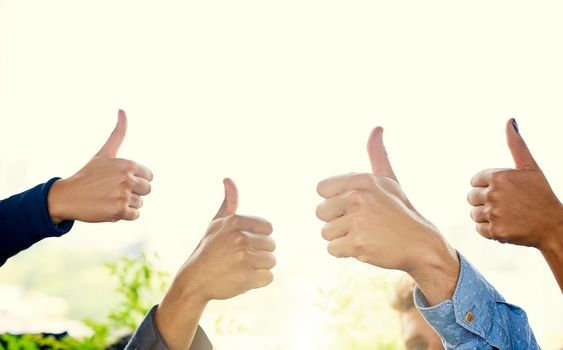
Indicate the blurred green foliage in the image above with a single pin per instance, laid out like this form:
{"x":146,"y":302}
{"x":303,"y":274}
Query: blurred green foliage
{"x":139,"y":283}
{"x":359,"y":315}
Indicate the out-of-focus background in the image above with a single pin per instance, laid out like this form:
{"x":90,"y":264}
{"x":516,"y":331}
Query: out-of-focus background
{"x":276,"y":95}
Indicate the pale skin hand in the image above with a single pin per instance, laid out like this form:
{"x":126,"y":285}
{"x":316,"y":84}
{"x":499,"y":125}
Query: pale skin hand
{"x":234,"y":256}
{"x":106,"y":189}
{"x":369,"y":217}
{"x":518,"y":206}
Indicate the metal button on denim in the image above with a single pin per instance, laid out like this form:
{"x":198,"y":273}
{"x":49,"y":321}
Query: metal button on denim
{"x":469,"y":317}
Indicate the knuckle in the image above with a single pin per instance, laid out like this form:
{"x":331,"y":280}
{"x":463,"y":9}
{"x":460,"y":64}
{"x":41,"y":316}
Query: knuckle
{"x":121,"y":195}
{"x":470,"y":196}
{"x":325,"y":232}
{"x":269,"y":278}
{"x":271,"y":261}
{"x":241,"y":240}
{"x":496,"y":232}
{"x":124,"y":196}
{"x":492,"y":196}
{"x":474,"y":178}
{"x":150,"y":175}
{"x":270,"y":244}
{"x":148,"y":190}
{"x":358,"y":243}
{"x":320,"y":188}
{"x":241,"y":257}
{"x":499,"y":177}
{"x":319,"y":211}
{"x":241,"y":279}
{"x":233,"y":220}
{"x":356,"y":222}
{"x":120,"y":212}
{"x":331,"y":251}
{"x":127,"y":165}
{"x":356,"y":198}
{"x":128,"y":181}
{"x":363,"y":258}
{"x":264,"y":279}
{"x":269,"y":227}
{"x":494,"y":213}
{"x":367,"y":180}
{"x":473,"y":214}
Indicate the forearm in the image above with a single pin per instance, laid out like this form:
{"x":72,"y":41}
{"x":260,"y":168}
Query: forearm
{"x":552,"y":245}
{"x":177,"y":317}
{"x":554,"y":257}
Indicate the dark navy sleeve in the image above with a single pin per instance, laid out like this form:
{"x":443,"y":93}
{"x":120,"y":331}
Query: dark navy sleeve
{"x":147,"y":337}
{"x":25,"y":220}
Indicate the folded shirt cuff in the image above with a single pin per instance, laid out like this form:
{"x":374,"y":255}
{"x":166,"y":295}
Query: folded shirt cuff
{"x":468,"y":313}
{"x":51,"y":230}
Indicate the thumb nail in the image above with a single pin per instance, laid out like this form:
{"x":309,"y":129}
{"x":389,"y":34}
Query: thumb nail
{"x":515,"y":126}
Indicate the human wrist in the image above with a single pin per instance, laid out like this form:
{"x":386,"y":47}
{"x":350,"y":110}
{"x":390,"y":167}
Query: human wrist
{"x":57,"y":202}
{"x":178,"y":315}
{"x":186,"y":289}
{"x":552,"y":244}
{"x":179,"y":300}
{"x":436,"y":270}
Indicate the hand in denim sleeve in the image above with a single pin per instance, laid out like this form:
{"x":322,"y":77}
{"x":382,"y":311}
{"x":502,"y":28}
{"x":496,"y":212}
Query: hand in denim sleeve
{"x":477,"y":316}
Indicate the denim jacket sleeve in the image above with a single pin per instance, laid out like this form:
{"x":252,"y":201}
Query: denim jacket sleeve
{"x":477,"y":316}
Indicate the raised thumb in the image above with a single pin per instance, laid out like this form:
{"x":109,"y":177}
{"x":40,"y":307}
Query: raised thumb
{"x":111,"y":147}
{"x":230,"y":203}
{"x":378,"y":158}
{"x":523,"y":159}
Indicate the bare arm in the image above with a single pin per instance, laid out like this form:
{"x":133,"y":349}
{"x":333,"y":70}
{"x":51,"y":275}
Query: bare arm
{"x":234,"y":256}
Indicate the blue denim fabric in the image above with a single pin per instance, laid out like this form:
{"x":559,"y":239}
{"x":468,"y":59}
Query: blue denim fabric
{"x":477,"y":317}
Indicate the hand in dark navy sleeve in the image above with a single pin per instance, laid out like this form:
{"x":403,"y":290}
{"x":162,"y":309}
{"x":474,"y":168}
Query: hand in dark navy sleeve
{"x":106,"y":189}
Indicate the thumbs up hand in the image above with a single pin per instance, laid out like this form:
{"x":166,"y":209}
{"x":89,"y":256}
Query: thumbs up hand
{"x":369,"y":217}
{"x":517,"y":205}
{"x":106,"y":189}
{"x":235,"y":254}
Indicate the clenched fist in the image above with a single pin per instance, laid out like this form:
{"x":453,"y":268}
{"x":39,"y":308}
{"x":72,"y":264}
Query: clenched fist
{"x":518,"y":205}
{"x":106,"y":189}
{"x":235,"y":255}
{"x":369,"y":217}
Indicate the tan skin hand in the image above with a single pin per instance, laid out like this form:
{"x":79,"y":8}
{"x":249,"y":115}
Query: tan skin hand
{"x":518,"y":205}
{"x":369,"y":217}
{"x":106,"y":189}
{"x":234,"y":256}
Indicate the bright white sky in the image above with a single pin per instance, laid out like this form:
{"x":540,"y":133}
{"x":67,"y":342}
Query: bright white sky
{"x":279,"y":95}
